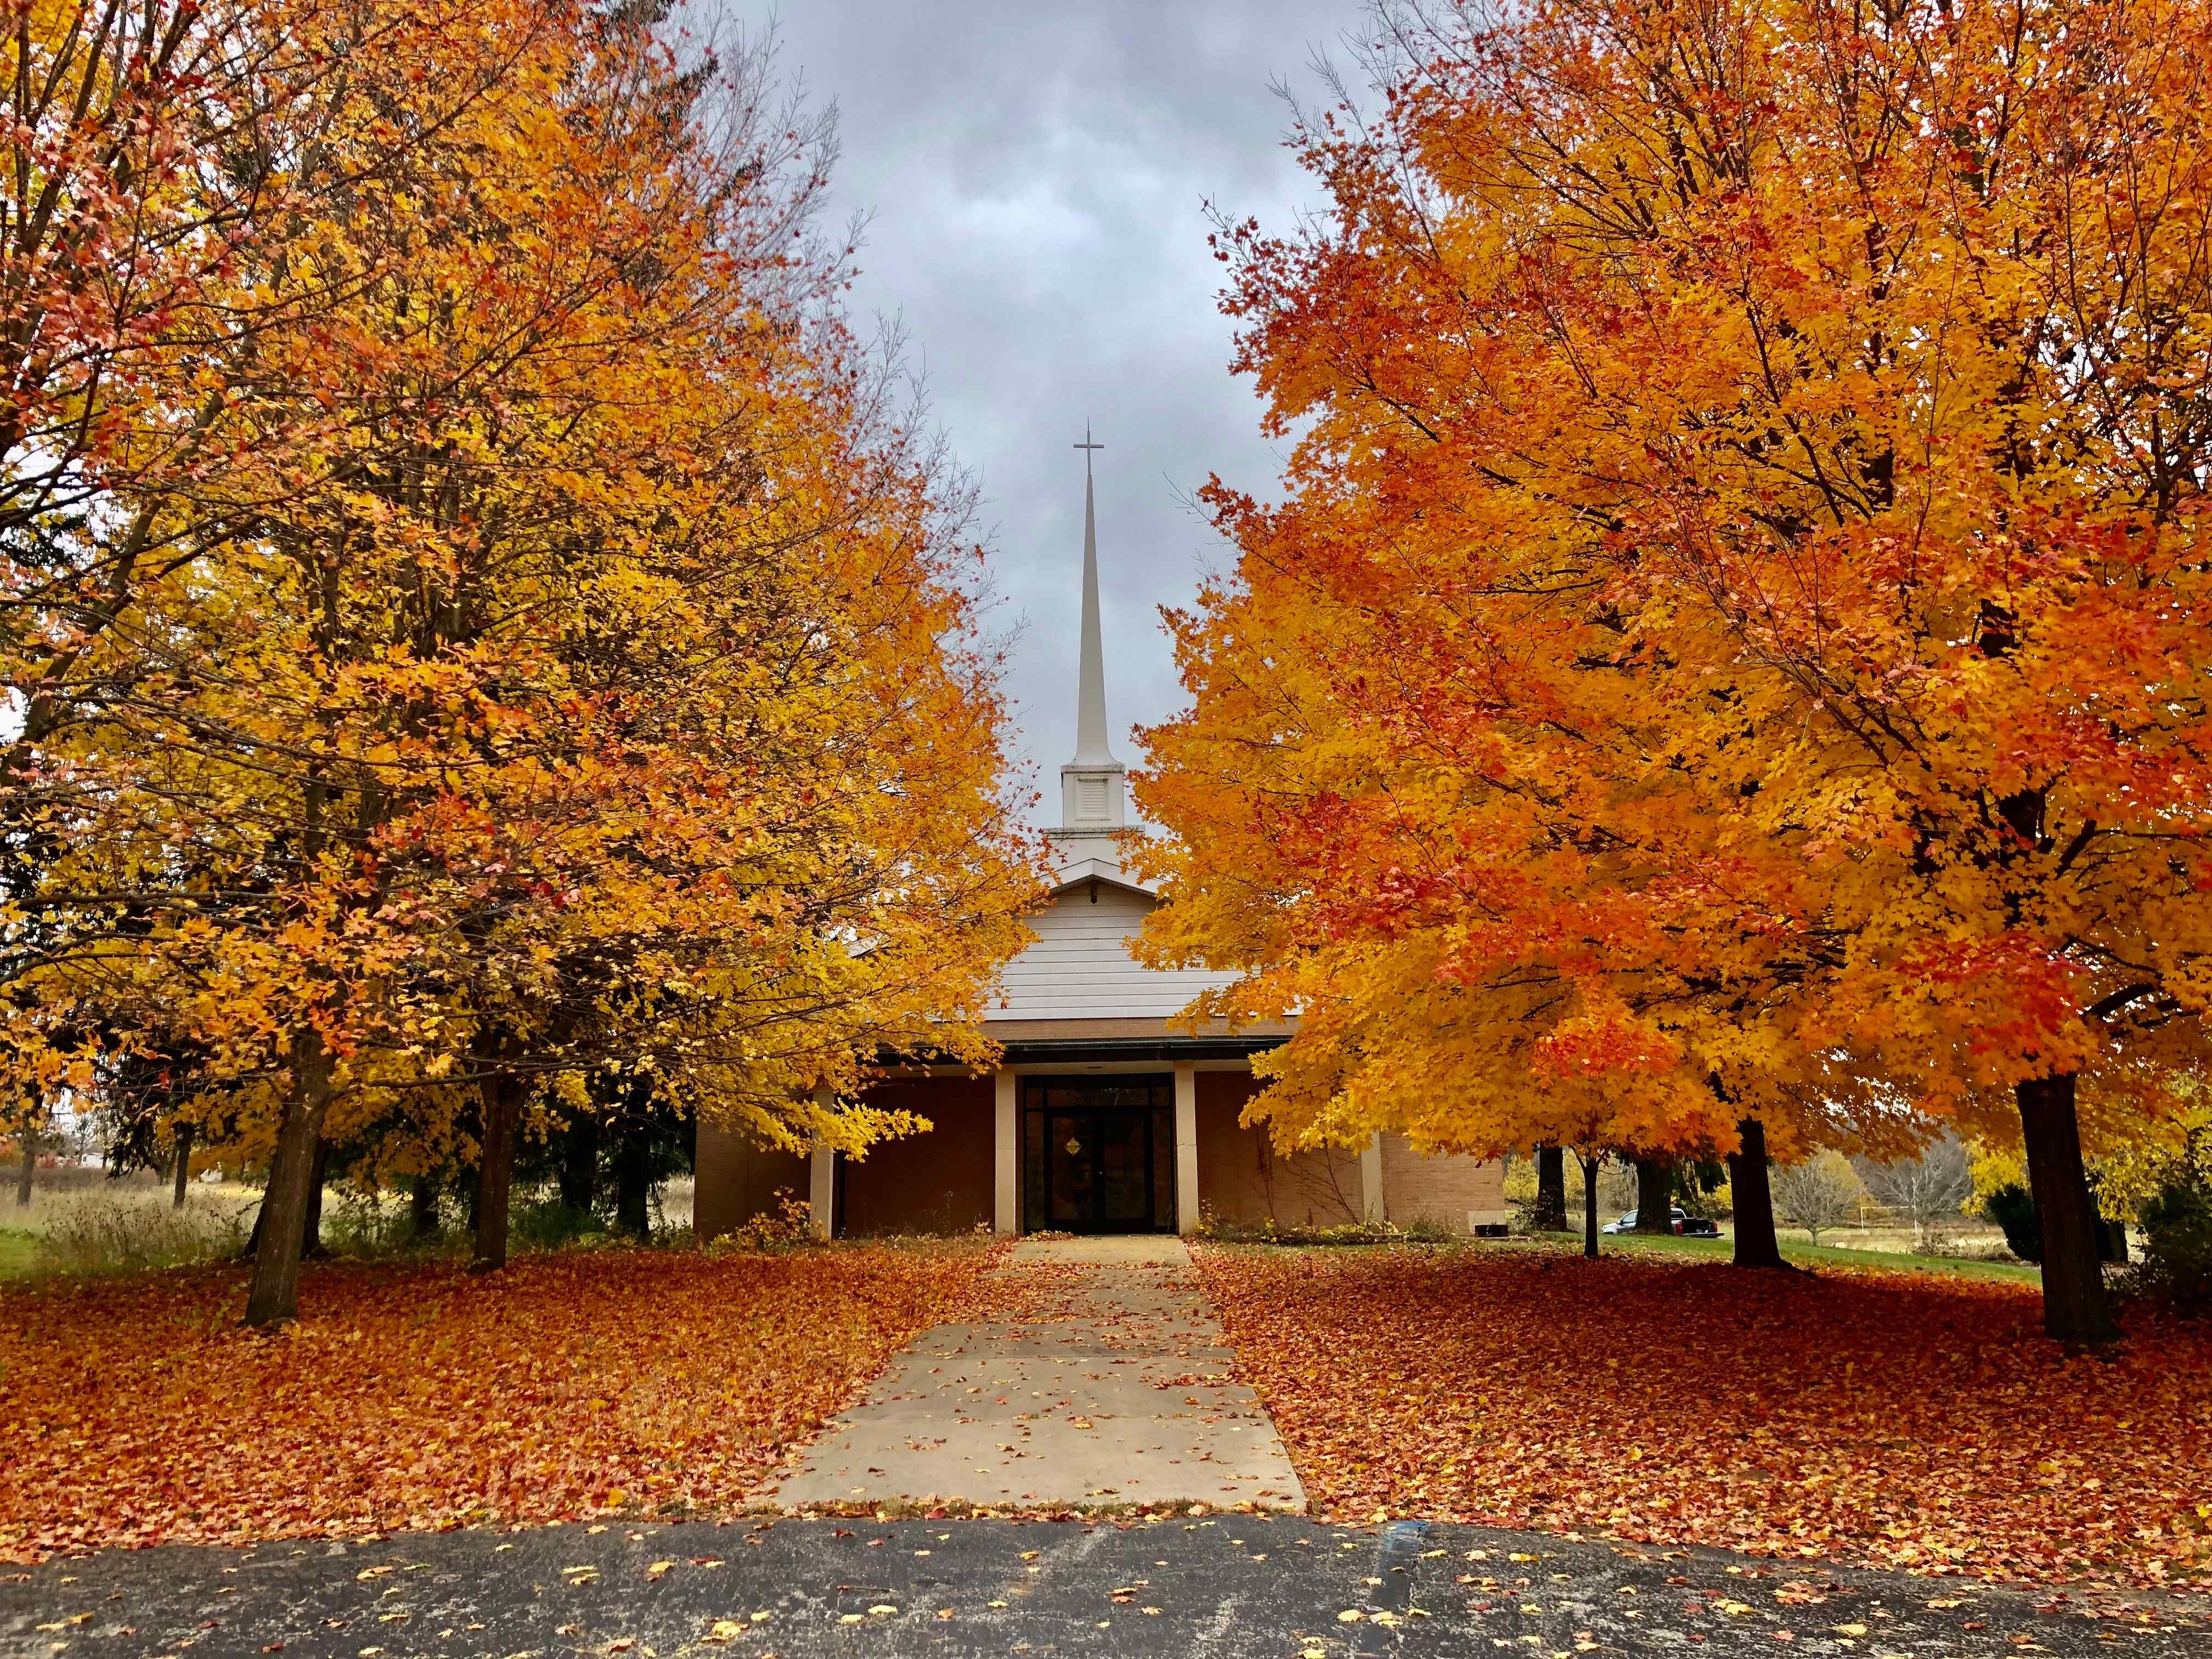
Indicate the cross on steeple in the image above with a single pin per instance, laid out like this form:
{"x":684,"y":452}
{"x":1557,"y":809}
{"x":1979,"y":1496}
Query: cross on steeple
{"x":1086,"y":446}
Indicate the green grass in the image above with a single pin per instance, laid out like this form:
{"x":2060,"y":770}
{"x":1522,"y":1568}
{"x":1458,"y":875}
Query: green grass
{"x":19,"y":1252}
{"x":1814,"y":1255}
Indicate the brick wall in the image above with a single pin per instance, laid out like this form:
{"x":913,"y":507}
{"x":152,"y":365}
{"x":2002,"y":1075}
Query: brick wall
{"x":937,"y":1182}
{"x":1243,"y":1179}
{"x":941,"y":1181}
{"x":737,"y":1180}
{"x":1442,"y":1189}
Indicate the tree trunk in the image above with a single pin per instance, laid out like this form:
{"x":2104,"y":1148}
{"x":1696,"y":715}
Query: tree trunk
{"x":1550,"y":1216}
{"x":1589,"y":1205}
{"x":29,"y":1173}
{"x":634,"y":1183}
{"x":1654,"y":1195}
{"x":184,"y":1138}
{"x":580,"y":1161}
{"x":281,"y":1226}
{"x":310,"y":1231}
{"x":502,"y":1111}
{"x":1756,"y":1245}
{"x":2074,"y":1309}
{"x":423,"y":1206}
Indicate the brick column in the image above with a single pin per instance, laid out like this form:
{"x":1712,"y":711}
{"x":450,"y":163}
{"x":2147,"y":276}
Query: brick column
{"x":822,"y":1191}
{"x":1006,"y":1209}
{"x":1370,"y":1184}
{"x":1186,"y":1146}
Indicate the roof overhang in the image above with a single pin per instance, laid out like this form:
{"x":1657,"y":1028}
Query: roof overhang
{"x":1081,"y":872}
{"x":1075,"y":1051}
{"x":1096,"y":1041}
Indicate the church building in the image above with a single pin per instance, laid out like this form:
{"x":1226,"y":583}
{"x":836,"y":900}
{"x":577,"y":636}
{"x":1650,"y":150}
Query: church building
{"x":1100,"y":1118}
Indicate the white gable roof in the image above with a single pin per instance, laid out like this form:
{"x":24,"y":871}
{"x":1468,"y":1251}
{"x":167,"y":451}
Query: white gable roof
{"x":1080,"y":966}
{"x":1078,"y":871}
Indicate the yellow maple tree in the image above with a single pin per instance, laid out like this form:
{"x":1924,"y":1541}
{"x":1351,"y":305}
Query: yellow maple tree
{"x":569,"y":671}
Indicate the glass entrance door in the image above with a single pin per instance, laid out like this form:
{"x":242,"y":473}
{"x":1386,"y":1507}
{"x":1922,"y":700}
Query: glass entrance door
{"x":1099,"y":1155}
{"x":1099,"y":1165}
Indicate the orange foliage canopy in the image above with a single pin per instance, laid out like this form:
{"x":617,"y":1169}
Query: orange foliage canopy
{"x":133,"y":1412}
{"x":1736,"y":635}
{"x":1897,"y":1420}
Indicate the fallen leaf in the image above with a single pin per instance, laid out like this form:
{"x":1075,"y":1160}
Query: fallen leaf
{"x":1931,"y":1356}
{"x":796,"y":1337}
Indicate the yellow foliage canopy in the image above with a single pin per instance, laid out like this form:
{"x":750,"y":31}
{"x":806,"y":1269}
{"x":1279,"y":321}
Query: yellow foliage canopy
{"x":506,"y":631}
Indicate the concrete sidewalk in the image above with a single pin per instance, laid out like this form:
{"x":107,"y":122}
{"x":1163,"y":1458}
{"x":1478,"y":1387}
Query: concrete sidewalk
{"x":1117,"y":1393}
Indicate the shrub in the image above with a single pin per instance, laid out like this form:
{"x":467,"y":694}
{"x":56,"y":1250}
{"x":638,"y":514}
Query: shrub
{"x":356,"y":1224}
{"x":1520,"y":1180}
{"x":1956,"y":1249}
{"x":2012,"y":1208}
{"x":548,"y":1225}
{"x":789,"y":1226}
{"x":2177,"y":1229}
{"x":1717,"y":1201}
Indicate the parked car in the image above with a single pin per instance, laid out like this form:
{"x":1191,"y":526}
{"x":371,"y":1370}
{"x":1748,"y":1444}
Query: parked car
{"x":1627,"y":1223}
{"x":1696,"y":1226}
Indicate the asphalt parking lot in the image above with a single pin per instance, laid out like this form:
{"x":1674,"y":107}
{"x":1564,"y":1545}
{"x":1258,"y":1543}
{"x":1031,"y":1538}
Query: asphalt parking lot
{"x":1227,"y":1584}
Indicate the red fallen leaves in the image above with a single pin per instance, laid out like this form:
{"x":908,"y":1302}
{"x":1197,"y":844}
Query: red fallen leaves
{"x":133,"y":1410}
{"x":1890,"y":1418}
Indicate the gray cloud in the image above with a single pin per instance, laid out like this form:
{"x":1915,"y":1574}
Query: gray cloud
{"x":1036,"y":175}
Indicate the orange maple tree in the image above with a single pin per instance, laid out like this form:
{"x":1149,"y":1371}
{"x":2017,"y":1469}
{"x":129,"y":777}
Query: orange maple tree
{"x":1735,"y":633}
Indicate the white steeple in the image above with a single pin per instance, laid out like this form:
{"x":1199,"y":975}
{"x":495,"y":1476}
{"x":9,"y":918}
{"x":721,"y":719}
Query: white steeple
{"x":1092,"y":795}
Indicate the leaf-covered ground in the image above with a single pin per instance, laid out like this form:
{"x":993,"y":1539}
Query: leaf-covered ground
{"x":1890,"y":1418}
{"x":134,"y":1411}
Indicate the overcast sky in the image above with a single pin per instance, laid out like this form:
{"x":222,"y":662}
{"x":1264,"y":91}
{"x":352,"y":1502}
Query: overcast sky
{"x":1038,"y":175}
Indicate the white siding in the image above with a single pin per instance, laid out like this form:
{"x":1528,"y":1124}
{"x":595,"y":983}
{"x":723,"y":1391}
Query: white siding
{"x":1080,"y":966}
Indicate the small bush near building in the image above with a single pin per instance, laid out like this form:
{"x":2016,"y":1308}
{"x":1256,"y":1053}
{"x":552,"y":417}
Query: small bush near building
{"x":2012,"y":1208}
{"x":1717,"y":1204}
{"x":548,"y":1225}
{"x":789,"y":1226}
